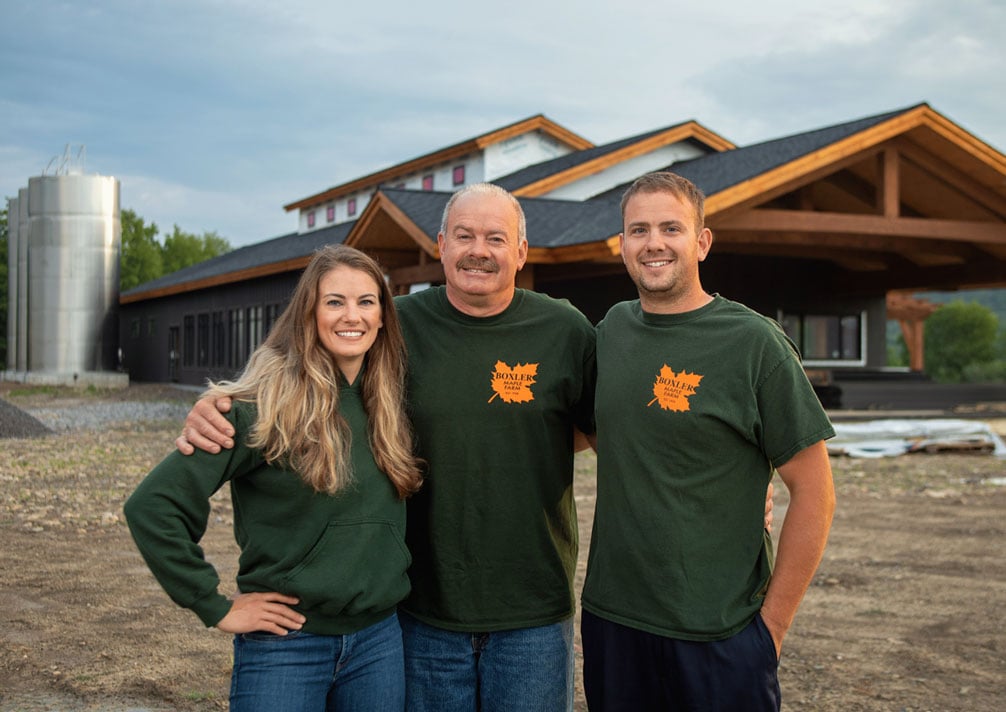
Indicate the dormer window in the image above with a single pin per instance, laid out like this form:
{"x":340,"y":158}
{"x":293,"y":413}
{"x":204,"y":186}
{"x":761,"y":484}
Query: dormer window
{"x":458,"y":175}
{"x":310,"y":219}
{"x":351,"y":207}
{"x":428,"y":182}
{"x":330,"y":213}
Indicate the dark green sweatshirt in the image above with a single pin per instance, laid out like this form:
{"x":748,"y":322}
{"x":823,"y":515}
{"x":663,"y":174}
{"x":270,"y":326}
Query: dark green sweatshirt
{"x":343,"y":556}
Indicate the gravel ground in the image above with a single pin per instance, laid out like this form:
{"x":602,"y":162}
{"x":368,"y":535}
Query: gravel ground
{"x":97,"y":415}
{"x":45,"y":410}
{"x":16,"y":423}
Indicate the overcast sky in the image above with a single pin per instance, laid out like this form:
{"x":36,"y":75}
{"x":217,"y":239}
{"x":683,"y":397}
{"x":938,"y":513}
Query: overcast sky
{"x":216,"y":113}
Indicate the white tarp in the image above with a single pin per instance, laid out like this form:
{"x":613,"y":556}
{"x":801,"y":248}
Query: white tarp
{"x":887,"y":438}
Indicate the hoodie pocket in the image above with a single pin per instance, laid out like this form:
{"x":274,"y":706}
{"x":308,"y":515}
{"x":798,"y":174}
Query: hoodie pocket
{"x":355,"y":567}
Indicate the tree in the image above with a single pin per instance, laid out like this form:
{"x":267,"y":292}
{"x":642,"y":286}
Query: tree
{"x":140,"y":259}
{"x":144,"y":258}
{"x":958,"y":335}
{"x":182,"y":249}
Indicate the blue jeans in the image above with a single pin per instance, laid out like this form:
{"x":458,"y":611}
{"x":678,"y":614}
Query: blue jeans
{"x":522,"y":670}
{"x":301,"y":672}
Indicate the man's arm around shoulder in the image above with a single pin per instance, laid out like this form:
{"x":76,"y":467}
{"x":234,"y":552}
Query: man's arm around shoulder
{"x":206,"y":428}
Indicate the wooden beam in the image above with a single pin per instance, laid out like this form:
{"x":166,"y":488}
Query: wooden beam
{"x":526,"y":277}
{"x":849,"y":150}
{"x":601,"y":163}
{"x":819,"y":222}
{"x":915,"y":249}
{"x":890,"y":186}
{"x":432,"y":272}
{"x":953,"y":178}
{"x":812,"y":166}
{"x":379,"y":204}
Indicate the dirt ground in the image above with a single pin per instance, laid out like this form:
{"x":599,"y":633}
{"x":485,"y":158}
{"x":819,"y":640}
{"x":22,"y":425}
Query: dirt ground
{"x":906,"y":612}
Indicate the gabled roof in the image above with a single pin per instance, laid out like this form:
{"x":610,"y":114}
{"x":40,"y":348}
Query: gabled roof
{"x":952,"y":210}
{"x":548,"y":175}
{"x":280,"y":254}
{"x":550,"y":223}
{"x":535,"y":123}
{"x":719,"y":171}
{"x":737,"y":179}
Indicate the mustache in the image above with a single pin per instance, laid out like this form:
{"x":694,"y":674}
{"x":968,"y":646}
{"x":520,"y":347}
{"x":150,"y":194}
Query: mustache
{"x":485,"y":264}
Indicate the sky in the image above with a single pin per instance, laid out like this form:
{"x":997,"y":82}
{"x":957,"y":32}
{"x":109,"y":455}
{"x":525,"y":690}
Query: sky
{"x":214,"y":114}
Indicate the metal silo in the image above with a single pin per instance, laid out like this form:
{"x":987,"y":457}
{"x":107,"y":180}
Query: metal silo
{"x":73,"y":235}
{"x":22,"y":280}
{"x":12,"y":275}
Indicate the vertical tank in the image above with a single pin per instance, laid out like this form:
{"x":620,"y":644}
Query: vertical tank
{"x":22,"y":280}
{"x":12,"y":274}
{"x":73,"y":236}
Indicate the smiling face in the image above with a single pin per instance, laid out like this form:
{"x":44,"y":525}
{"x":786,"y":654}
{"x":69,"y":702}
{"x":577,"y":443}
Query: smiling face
{"x":661,"y":251}
{"x":481,"y":251}
{"x":349,"y":316}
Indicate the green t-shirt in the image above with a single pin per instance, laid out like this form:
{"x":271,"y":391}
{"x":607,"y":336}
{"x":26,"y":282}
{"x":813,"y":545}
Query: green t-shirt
{"x":494,"y":400}
{"x":694,"y":411}
{"x":342,"y":555}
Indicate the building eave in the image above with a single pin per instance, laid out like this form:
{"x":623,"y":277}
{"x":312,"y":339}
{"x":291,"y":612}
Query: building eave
{"x":535,"y":123}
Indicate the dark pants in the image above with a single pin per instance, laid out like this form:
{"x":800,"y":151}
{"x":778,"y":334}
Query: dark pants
{"x":635,"y":671}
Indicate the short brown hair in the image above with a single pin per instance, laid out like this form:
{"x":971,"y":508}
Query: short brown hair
{"x":667,"y":182}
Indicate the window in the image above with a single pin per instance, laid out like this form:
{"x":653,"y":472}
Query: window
{"x":310,"y":219}
{"x":254,"y":328}
{"x":428,"y":182}
{"x":330,"y":213}
{"x":236,"y":354}
{"x":272,"y":312}
{"x":151,"y":326}
{"x":218,"y":341}
{"x":134,"y":328}
{"x":188,"y":340}
{"x":827,"y":338}
{"x":351,"y":207}
{"x":458,"y":175}
{"x":203,"y":340}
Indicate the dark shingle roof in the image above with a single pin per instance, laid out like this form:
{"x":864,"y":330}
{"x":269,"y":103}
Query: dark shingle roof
{"x":550,"y":223}
{"x":278,"y":249}
{"x":538,"y":171}
{"x":720,"y":171}
{"x":423,"y":207}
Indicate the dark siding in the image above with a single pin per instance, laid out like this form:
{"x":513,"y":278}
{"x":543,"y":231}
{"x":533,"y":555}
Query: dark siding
{"x":145,"y":350}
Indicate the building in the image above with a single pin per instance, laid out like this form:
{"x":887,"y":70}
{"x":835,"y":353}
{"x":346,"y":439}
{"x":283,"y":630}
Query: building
{"x":813,"y":229}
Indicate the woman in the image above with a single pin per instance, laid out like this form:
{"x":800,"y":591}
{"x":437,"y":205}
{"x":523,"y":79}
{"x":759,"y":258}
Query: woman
{"x":321,"y":466}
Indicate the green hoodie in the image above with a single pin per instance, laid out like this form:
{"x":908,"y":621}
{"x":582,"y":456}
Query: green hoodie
{"x":342,"y":555}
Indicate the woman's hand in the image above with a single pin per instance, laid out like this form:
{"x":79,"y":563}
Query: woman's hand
{"x":265,"y":612}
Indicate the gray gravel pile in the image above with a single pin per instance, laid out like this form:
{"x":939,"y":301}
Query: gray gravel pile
{"x":94,"y":416}
{"x":15,"y":423}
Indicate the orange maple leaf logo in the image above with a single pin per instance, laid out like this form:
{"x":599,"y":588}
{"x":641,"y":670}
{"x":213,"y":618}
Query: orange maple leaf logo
{"x":513,"y":385}
{"x":672,"y":390}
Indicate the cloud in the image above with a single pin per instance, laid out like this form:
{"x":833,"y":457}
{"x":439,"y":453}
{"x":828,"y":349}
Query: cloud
{"x":215,"y":113}
{"x":237,"y":216}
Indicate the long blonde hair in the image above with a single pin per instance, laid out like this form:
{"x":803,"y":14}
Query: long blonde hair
{"x":294,"y":383}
